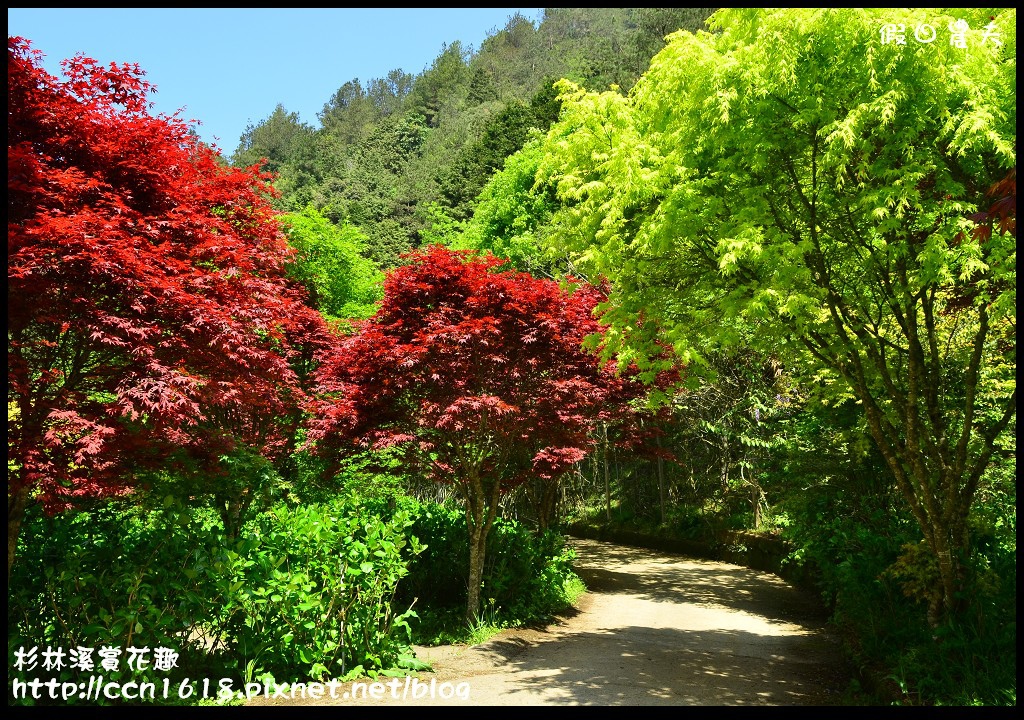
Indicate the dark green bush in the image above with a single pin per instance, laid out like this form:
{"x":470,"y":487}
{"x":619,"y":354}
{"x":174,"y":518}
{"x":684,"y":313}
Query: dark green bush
{"x":526,"y":576}
{"x":866,"y":552}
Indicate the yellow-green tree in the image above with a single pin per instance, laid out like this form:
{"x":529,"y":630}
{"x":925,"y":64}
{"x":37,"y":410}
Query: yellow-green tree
{"x":820,"y":182}
{"x":342,"y":283}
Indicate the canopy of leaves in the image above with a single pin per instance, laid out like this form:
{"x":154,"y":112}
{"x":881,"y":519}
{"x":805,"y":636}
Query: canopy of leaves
{"x":801,"y":181}
{"x":480,"y":371}
{"x":797,"y":155}
{"x":148,"y":308}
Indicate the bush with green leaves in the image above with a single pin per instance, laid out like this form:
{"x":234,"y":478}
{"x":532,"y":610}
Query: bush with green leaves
{"x":310,"y":591}
{"x":873,"y":571}
{"x":303,"y":592}
{"x":115,"y":576}
{"x":527,"y":577}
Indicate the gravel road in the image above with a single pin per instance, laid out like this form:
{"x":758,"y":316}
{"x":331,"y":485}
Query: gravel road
{"x":654,"y":629}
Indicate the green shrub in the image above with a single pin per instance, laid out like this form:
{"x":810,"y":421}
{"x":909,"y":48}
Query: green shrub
{"x":873,"y":572}
{"x":304,"y":593}
{"x":115,"y":577}
{"x":527,"y":577}
{"x":310,"y":591}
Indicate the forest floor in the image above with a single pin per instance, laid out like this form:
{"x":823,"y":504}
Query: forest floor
{"x":653,"y":629}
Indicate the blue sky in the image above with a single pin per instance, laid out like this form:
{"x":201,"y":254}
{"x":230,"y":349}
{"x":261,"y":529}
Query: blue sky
{"x":230,"y":67}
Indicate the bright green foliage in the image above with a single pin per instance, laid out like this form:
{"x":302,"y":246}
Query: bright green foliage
{"x":441,"y":228}
{"x":311,"y":591}
{"x":305,"y":593}
{"x":342,"y":283}
{"x":321,"y":590}
{"x":461,"y":180}
{"x":711,"y":161}
{"x":114,"y":576}
{"x":795,"y":182}
{"x":386,"y":149}
{"x":509,"y":215}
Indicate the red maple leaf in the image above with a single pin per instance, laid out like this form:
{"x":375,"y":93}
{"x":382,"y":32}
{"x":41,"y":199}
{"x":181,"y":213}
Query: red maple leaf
{"x":148,"y":310}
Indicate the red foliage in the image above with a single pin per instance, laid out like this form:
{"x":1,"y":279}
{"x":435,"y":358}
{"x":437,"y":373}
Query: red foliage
{"x":1001,"y":217}
{"x":1003,"y":210}
{"x":148,"y":311}
{"x":483,"y":371}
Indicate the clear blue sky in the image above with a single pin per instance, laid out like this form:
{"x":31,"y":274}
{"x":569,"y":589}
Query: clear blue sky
{"x":228,"y":67}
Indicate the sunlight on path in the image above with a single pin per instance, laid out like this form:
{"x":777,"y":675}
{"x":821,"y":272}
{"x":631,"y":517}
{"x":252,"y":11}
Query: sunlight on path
{"x":655,"y":629}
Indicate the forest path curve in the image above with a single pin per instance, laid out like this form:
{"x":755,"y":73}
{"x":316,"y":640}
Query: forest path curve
{"x":653,"y":629}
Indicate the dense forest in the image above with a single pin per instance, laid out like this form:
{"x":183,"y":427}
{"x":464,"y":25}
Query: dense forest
{"x":718,"y":277}
{"x":398,"y":156}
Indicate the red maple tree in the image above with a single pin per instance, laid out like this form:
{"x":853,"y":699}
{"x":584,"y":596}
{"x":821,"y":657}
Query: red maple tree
{"x":148,"y":311}
{"x":480,"y":373}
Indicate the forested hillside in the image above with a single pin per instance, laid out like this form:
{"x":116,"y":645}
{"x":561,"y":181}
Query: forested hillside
{"x":394,"y":155}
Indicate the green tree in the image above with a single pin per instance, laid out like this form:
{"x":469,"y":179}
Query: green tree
{"x":799,"y":179}
{"x":360,"y":184}
{"x":342,"y":284}
{"x":442,"y":88}
{"x":351,"y":113}
{"x":305,"y":179}
{"x":509,"y":59}
{"x":481,"y":87}
{"x":275,"y":139}
{"x":509,"y":215}
{"x":504,"y":134}
{"x":388,"y":93}
{"x":379,"y":198}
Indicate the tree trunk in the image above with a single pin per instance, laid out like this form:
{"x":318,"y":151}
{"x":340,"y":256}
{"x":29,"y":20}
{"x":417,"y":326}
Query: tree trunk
{"x":661,"y":481}
{"x":232,"y":509}
{"x":477,"y":551}
{"x":937,"y":472}
{"x":724,"y":468}
{"x":607,"y":484}
{"x":755,"y":501}
{"x":16,"y":505}
{"x":755,"y":497}
{"x":547,"y":504}
{"x":481,"y":509}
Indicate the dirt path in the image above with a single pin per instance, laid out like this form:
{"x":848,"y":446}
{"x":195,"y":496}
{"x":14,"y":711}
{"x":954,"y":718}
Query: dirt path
{"x":655,"y":629}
